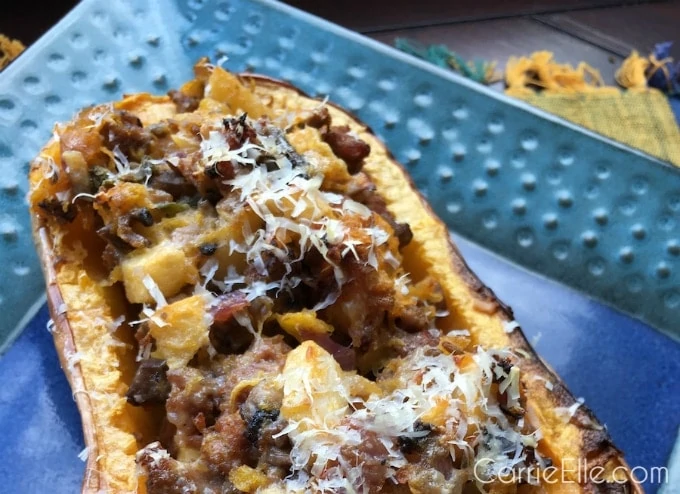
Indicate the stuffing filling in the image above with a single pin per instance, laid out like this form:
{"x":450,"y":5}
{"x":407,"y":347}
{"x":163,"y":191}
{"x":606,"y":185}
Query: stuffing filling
{"x":278,"y":331}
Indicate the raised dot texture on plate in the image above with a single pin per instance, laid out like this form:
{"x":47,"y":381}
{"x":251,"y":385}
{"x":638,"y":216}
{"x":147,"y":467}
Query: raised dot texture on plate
{"x":597,"y":266}
{"x":8,"y":109}
{"x":550,"y":221}
{"x":634,"y":283}
{"x":490,"y":220}
{"x":57,"y":61}
{"x":421,"y":129}
{"x":460,"y":112}
{"x":387,"y":84}
{"x":8,"y":228}
{"x":672,"y":299}
{"x":21,"y":269}
{"x":519,"y":206}
{"x":601,"y":216}
{"x":626,"y":254}
{"x":602,"y":171}
{"x":445,"y":173}
{"x":412,"y":156}
{"x":591,"y":191}
{"x":666,"y":222}
{"x":528,"y":181}
{"x":449,"y":134}
{"x":99,"y":17}
{"x":28,"y":126}
{"x":566,"y":157}
{"x":480,"y":187}
{"x":495,"y":125}
{"x":357,"y":72}
{"x":79,"y":78}
{"x":484,"y":146}
{"x":589,"y":238}
{"x":529,"y":141}
{"x":565,"y":199}
{"x":53,"y":103}
{"x":663,"y":270}
{"x":560,"y":250}
{"x":454,"y":207}
{"x":518,"y":161}
{"x":639,"y":185}
{"x":33,"y":85}
{"x":638,"y":231}
{"x":253,"y":24}
{"x":525,"y":237}
{"x":459,"y":151}
{"x":674,"y":202}
{"x":492,"y":167}
{"x":423,"y":100}
{"x":78,"y":41}
{"x":673,"y":247}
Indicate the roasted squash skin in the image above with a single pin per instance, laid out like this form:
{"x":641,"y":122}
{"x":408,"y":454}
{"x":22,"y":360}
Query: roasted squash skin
{"x":85,"y":304}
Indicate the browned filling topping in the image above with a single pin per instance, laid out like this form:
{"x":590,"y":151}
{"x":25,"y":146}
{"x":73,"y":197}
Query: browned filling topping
{"x":281,"y":339}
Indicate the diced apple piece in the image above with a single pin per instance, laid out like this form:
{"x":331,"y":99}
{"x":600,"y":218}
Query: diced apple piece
{"x":313,"y":387}
{"x":180,"y":329}
{"x":166,"y":264}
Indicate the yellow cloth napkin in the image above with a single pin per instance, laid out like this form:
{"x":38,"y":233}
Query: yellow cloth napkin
{"x":640,"y":117}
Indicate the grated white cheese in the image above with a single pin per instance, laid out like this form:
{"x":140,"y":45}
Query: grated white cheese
{"x":536,"y":338}
{"x":510,"y":326}
{"x":566,"y":413}
{"x":208,"y":271}
{"x":351,"y":206}
{"x":548,"y":384}
{"x":114,"y":324}
{"x":121,"y":161}
{"x":72,"y":360}
{"x":82,"y":456}
{"x":154,"y":291}
{"x":84,"y":195}
{"x":401,"y":284}
{"x":458,"y":332}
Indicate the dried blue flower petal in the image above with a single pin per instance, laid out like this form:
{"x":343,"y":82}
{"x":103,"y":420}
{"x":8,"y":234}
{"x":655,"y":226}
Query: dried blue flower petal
{"x":662,"y":50}
{"x":664,"y":74}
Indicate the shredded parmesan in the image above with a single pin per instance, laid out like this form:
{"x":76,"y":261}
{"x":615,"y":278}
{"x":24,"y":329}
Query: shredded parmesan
{"x":84,"y":195}
{"x":154,"y":291}
{"x":510,"y":326}
{"x":458,"y":332}
{"x":82,"y":456}
{"x":114,"y":324}
{"x":566,"y":413}
{"x":548,"y":384}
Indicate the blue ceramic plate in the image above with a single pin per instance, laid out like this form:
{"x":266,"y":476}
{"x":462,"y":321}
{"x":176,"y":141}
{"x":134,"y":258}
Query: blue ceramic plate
{"x":550,"y":196}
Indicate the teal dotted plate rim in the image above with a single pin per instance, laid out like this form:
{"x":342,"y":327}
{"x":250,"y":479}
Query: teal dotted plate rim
{"x":546,"y":194}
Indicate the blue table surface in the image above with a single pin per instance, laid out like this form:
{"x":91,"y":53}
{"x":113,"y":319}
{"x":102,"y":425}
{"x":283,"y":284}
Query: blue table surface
{"x":626,"y":371}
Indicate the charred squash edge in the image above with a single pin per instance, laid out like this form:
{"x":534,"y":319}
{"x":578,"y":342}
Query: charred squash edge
{"x":597,"y":445}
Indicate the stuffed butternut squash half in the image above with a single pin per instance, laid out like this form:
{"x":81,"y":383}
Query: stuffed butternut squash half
{"x":249,"y":295}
